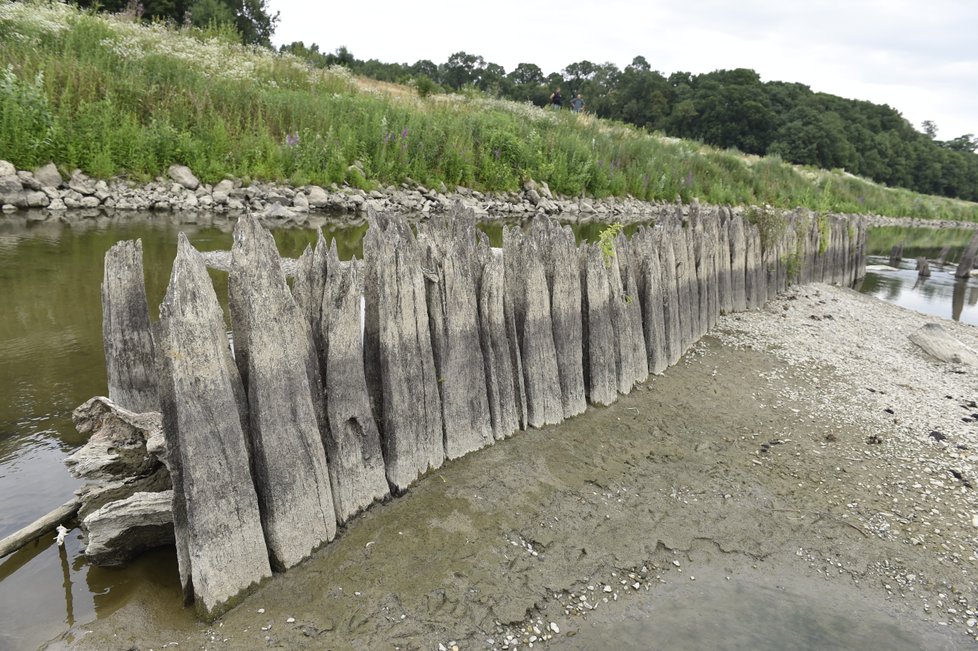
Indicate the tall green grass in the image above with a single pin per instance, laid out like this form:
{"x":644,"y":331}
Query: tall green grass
{"x":116,"y":98}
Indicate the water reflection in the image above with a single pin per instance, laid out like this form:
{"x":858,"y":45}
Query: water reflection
{"x":940,"y":294}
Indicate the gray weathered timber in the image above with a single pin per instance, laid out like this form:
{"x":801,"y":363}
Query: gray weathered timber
{"x":277,"y":361}
{"x":968,"y":258}
{"x":738,"y":264}
{"x":756,"y":273}
{"x":130,"y":359}
{"x":48,"y":522}
{"x":221,"y":548}
{"x":526,"y":285}
{"x":671,"y":306}
{"x":697,"y":311}
{"x":453,"y":318}
{"x":121,"y":530}
{"x":923,"y":267}
{"x":685,"y":283}
{"x":399,"y":361}
{"x":645,"y":247}
{"x":504,"y":383}
{"x":560,"y":261}
{"x":896,"y":255}
{"x":600,"y":345}
{"x":352,"y":440}
{"x":942,"y":256}
{"x":937,"y":342}
{"x":725,"y":297}
{"x":626,"y":315}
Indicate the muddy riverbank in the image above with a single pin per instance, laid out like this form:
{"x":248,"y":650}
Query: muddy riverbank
{"x":808,"y":448}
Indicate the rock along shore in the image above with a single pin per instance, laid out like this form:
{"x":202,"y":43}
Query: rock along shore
{"x":45,"y":194}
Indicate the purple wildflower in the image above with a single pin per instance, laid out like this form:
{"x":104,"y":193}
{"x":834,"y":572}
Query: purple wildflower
{"x":404,"y":133}
{"x":292,"y":139}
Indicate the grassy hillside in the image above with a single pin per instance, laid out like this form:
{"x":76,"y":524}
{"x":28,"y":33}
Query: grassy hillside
{"x":114,"y":97}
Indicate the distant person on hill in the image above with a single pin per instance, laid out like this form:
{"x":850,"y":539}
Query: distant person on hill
{"x":555,"y":99}
{"x":577,"y":104}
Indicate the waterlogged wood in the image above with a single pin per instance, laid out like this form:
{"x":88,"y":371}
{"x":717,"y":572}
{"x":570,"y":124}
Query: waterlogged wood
{"x":942,"y":256}
{"x":685,"y":283}
{"x":696,"y":306}
{"x":47,"y":523}
{"x":559,"y":254}
{"x":645,"y":247}
{"x":923,"y":267}
{"x":896,"y":255}
{"x":130,"y":358}
{"x":738,"y":264}
{"x":453,"y":317}
{"x":725,"y":298}
{"x":937,"y":342}
{"x":600,"y":345}
{"x":968,"y":258}
{"x":399,"y":361}
{"x":278,"y":366}
{"x":626,"y":315}
{"x":526,"y":286}
{"x":671,"y":319}
{"x":756,"y":273}
{"x":352,"y":440}
{"x":121,"y":530}
{"x":221,"y":550}
{"x":504,"y":381}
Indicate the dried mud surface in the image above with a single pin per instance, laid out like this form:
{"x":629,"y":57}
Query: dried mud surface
{"x":809,"y":445}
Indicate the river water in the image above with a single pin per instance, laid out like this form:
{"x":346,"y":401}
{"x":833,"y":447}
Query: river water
{"x":51,"y":361}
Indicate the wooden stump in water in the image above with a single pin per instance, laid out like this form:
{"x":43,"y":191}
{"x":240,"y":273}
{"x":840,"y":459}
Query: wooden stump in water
{"x":968,"y":258}
{"x":130,"y":359}
{"x":923,"y":268}
{"x":896,"y":255}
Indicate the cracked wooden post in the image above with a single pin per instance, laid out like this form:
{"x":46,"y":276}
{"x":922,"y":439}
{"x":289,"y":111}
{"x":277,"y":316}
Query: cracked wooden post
{"x":503,"y":366}
{"x":600,"y":346}
{"x":560,"y":260}
{"x":221,"y":550}
{"x":130,"y":358}
{"x":399,"y":360}
{"x":645,"y":248}
{"x":280,"y":372}
{"x":453,"y":319}
{"x":671,"y":319}
{"x":352,"y":440}
{"x":626,"y":315}
{"x":738,"y":264}
{"x":526,"y":289}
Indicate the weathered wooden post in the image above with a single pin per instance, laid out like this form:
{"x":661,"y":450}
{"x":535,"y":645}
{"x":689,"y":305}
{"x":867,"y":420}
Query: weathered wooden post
{"x":896,"y":255}
{"x":968,"y":258}
{"x":560,"y":260}
{"x":221,"y":550}
{"x":130,"y":358}
{"x":503,"y":364}
{"x":529,"y":301}
{"x":626,"y":317}
{"x":399,"y":360}
{"x":671,"y":319}
{"x":453,"y":319}
{"x":645,"y":248}
{"x":280,"y":372}
{"x":352,"y":440}
{"x":923,"y":268}
{"x":738,"y":263}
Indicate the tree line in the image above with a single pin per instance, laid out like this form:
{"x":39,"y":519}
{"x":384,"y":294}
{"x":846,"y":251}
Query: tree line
{"x":250,"y":18}
{"x":723,"y":108}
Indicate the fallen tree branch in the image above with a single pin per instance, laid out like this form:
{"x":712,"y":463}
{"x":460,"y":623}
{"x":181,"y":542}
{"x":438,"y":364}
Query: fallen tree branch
{"x":39,"y":527}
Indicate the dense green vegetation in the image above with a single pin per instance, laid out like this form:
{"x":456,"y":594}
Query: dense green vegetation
{"x":114,"y":96}
{"x":724,"y":108}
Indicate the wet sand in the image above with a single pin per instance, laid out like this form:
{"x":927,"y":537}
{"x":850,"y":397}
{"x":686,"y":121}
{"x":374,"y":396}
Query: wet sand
{"x":767,"y":455}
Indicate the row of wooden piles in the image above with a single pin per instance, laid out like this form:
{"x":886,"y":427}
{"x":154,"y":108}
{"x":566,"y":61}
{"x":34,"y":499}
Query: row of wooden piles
{"x":328,"y":405}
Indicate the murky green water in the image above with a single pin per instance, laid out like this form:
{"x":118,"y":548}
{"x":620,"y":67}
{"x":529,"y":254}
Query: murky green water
{"x":51,"y":361}
{"x":940,"y":294}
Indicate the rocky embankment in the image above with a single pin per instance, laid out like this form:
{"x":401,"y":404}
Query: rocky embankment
{"x":47,"y":194}
{"x":51,"y":195}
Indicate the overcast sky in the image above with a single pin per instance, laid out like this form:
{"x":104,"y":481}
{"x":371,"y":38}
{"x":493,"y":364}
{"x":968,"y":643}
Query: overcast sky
{"x":919,"y":57}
